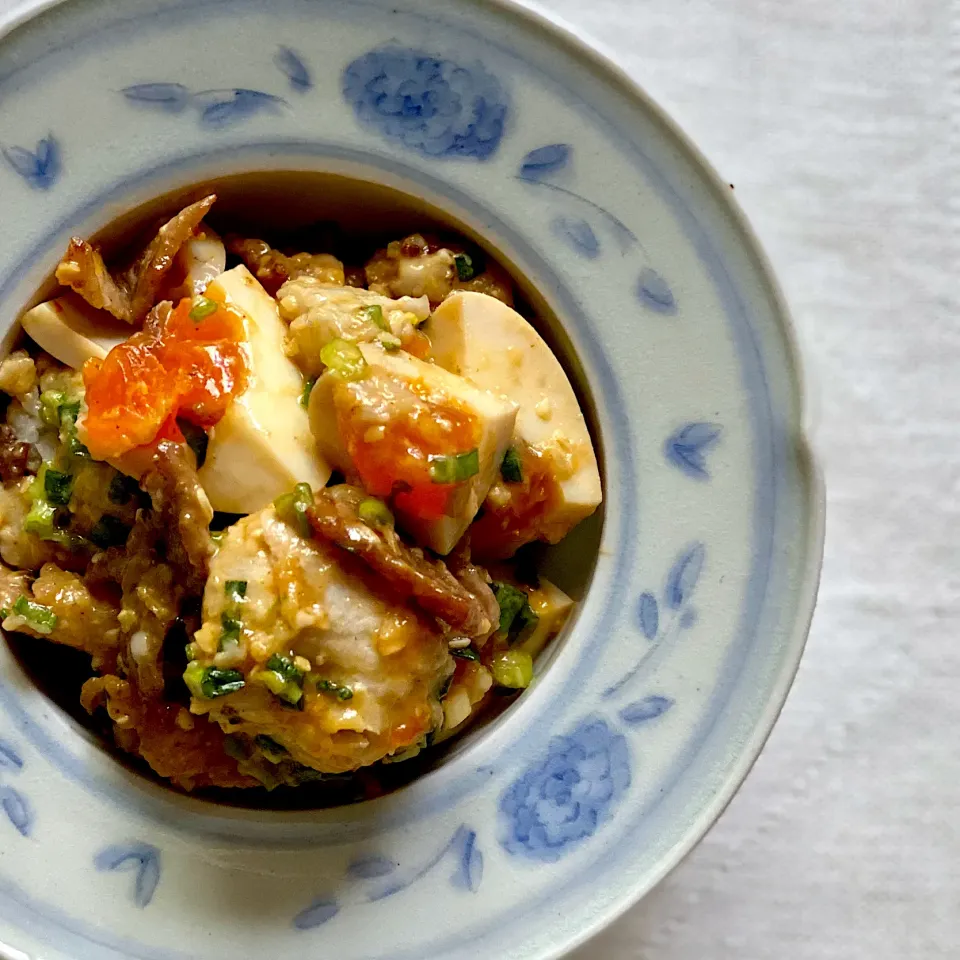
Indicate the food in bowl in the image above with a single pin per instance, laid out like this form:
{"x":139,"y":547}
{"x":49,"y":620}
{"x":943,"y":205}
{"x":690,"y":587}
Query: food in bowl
{"x":284,"y":505}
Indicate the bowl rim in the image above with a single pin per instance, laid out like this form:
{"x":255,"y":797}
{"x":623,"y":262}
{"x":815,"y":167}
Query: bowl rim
{"x":799,"y":435}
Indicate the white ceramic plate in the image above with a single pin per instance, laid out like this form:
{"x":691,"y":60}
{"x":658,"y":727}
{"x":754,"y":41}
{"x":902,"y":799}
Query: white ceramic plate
{"x":548,"y":823}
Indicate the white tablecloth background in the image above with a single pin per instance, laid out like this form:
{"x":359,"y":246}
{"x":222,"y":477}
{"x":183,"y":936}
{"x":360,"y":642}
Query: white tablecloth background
{"x":839,"y":123}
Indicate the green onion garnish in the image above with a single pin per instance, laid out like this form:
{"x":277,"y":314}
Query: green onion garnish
{"x":206,"y":683}
{"x":273,"y":751}
{"x":465,"y":653}
{"x":40,"y":520}
{"x":230,"y":633}
{"x":292,"y":508}
{"x":57,"y":486}
{"x":374,"y":314}
{"x":339,"y":690}
{"x":525,"y":622}
{"x":68,"y":429}
{"x":41,"y":618}
{"x":343,"y":358}
{"x":108,"y":532}
{"x":510,"y":468}
{"x":235,"y":590}
{"x":216,"y":536}
{"x":307,"y":390}
{"x":284,"y":680}
{"x":454,"y":468}
{"x":511,"y":601}
{"x":50,"y":403}
{"x":513,"y":669}
{"x":204,"y":307}
{"x":465,"y":267}
{"x":375,"y":513}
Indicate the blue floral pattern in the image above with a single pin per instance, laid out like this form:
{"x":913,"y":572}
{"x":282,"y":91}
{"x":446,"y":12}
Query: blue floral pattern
{"x":142,"y":858}
{"x":378,"y":877}
{"x":39,"y":168}
{"x":563,"y":799}
{"x":291,"y":64}
{"x":429,"y":104}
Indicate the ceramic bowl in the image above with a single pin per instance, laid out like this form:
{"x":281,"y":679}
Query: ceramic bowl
{"x":698,"y":581}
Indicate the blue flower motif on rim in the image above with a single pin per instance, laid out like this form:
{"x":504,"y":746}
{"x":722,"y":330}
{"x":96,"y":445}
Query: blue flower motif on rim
{"x":40,"y":168}
{"x":144,"y":858}
{"x":290,"y":63}
{"x":429,"y":104}
{"x":217,"y":109}
{"x":563,"y":799}
{"x":578,"y":234}
{"x":686,"y":448}
{"x":16,"y":806}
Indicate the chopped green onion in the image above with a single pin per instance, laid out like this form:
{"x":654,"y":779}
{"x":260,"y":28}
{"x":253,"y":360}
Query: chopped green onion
{"x":197,"y":439}
{"x":511,"y":469}
{"x":230,"y":634}
{"x":216,"y":536}
{"x":204,"y":307}
{"x":122,"y":488}
{"x":374,"y":314}
{"x":292,"y":508}
{"x":454,"y":468}
{"x":109,"y":531}
{"x":41,"y":618}
{"x":465,"y":267}
{"x":339,"y":690}
{"x":192,"y":651}
{"x":58,"y":486}
{"x":40,"y":520}
{"x":68,"y":429}
{"x":206,"y":683}
{"x":344,"y":359}
{"x":284,"y":680}
{"x":525,"y":622}
{"x":307,"y":390}
{"x":465,"y":653}
{"x":4,"y":613}
{"x":375,"y":513}
{"x":235,"y":590}
{"x":513,"y":669}
{"x":50,"y":403}
{"x":511,"y":601}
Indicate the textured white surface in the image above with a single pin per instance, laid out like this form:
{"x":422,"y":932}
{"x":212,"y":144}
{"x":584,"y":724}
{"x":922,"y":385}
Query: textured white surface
{"x":838,"y":123}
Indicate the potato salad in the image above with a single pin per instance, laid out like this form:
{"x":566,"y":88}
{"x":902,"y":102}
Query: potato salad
{"x":285,"y":502}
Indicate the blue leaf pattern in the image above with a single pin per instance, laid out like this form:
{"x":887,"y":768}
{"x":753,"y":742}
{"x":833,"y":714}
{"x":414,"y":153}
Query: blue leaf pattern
{"x":687,"y":447}
{"x":469,"y":872}
{"x":544,"y":161}
{"x":368,"y":868}
{"x":649,"y":615}
{"x":291,"y":64}
{"x":688,"y":618}
{"x":224,"y":108}
{"x":144,"y":858}
{"x":10,"y":759}
{"x":18,"y":809}
{"x":643,"y":711}
{"x":683,"y":576}
{"x":655,"y":293}
{"x":171,"y":97}
{"x":318,"y":913}
{"x":429,"y":104}
{"x":40,"y":168}
{"x":579,"y":234}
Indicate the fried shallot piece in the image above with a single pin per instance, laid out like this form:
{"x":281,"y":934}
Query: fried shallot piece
{"x":335,"y":517}
{"x":273,"y":268}
{"x":130,"y":294}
